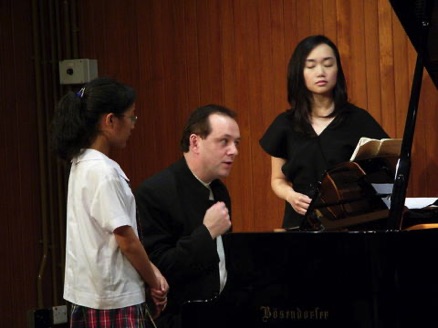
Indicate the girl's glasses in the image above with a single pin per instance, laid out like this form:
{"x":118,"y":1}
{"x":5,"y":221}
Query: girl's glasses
{"x":133,"y":118}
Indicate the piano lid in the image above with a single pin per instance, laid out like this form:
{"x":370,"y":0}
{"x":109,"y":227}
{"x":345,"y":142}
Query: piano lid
{"x":412,"y":14}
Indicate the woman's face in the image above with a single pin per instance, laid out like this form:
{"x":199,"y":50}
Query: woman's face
{"x":321,"y":70}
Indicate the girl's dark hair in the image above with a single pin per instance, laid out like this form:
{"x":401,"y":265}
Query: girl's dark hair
{"x":298,"y":96}
{"x":199,"y":123}
{"x":75,"y":124}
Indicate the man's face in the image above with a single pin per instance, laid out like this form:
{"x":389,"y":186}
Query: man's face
{"x":218,"y":150}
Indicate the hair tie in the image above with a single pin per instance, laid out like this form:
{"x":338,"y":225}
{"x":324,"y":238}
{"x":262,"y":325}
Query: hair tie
{"x":80,"y":93}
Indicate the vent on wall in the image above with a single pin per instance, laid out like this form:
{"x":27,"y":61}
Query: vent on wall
{"x":77,"y":71}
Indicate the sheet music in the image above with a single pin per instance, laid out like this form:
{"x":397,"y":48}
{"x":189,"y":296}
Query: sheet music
{"x":419,"y":202}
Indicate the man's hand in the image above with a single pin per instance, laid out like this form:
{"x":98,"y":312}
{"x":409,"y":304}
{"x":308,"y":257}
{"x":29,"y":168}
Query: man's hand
{"x":217,"y":219}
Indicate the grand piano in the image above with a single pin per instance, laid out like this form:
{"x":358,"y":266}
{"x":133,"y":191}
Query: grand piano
{"x":355,"y":262}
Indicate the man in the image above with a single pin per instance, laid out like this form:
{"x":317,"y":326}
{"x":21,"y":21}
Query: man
{"x":185,"y":209}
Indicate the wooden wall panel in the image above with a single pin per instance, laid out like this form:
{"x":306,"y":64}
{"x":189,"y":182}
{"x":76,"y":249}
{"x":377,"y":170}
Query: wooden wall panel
{"x":386,"y":68}
{"x":180,"y":55}
{"x":268,"y":92}
{"x":358,"y":67}
{"x":428,"y":139}
{"x":247,"y":94}
{"x":402,"y":83}
{"x":189,"y":53}
{"x":330,"y":25}
{"x":19,"y":162}
{"x":371,"y":56}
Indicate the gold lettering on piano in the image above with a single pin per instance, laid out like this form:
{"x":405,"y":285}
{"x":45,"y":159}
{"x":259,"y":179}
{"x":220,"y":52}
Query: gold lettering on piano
{"x":269,"y":314}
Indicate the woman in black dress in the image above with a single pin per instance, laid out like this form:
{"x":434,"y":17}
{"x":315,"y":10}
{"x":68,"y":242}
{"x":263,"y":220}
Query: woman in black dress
{"x":321,"y":129}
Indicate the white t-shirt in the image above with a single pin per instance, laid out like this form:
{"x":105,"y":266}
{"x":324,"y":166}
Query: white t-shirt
{"x":97,"y":274}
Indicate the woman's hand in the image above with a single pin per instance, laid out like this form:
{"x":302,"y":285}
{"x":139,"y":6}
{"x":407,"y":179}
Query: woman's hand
{"x":299,"y":202}
{"x":284,"y":189}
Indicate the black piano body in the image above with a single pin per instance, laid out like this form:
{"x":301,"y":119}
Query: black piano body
{"x":325,"y":279}
{"x":342,"y":268}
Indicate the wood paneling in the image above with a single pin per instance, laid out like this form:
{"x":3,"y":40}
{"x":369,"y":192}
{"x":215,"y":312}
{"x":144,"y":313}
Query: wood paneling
{"x":20,"y":196}
{"x":179,"y":55}
{"x":189,"y":53}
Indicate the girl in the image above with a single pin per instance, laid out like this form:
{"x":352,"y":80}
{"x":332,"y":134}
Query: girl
{"x":106,"y":265}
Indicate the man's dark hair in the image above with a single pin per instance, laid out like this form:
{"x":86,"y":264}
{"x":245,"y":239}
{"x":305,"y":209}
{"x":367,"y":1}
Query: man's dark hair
{"x":199,"y":123}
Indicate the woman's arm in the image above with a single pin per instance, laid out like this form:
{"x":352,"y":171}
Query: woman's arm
{"x":284,"y":189}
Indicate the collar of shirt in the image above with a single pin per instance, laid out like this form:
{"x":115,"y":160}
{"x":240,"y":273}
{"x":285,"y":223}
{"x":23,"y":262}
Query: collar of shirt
{"x":95,"y":155}
{"x":206,"y":185}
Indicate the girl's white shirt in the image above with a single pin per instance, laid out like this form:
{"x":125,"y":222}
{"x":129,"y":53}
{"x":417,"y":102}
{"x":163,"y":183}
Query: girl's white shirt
{"x":97,"y":274}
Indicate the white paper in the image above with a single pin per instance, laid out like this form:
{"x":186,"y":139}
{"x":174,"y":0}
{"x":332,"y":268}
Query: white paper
{"x":419,"y":202}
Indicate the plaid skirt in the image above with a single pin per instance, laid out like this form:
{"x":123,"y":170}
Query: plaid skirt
{"x":136,"y":316}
